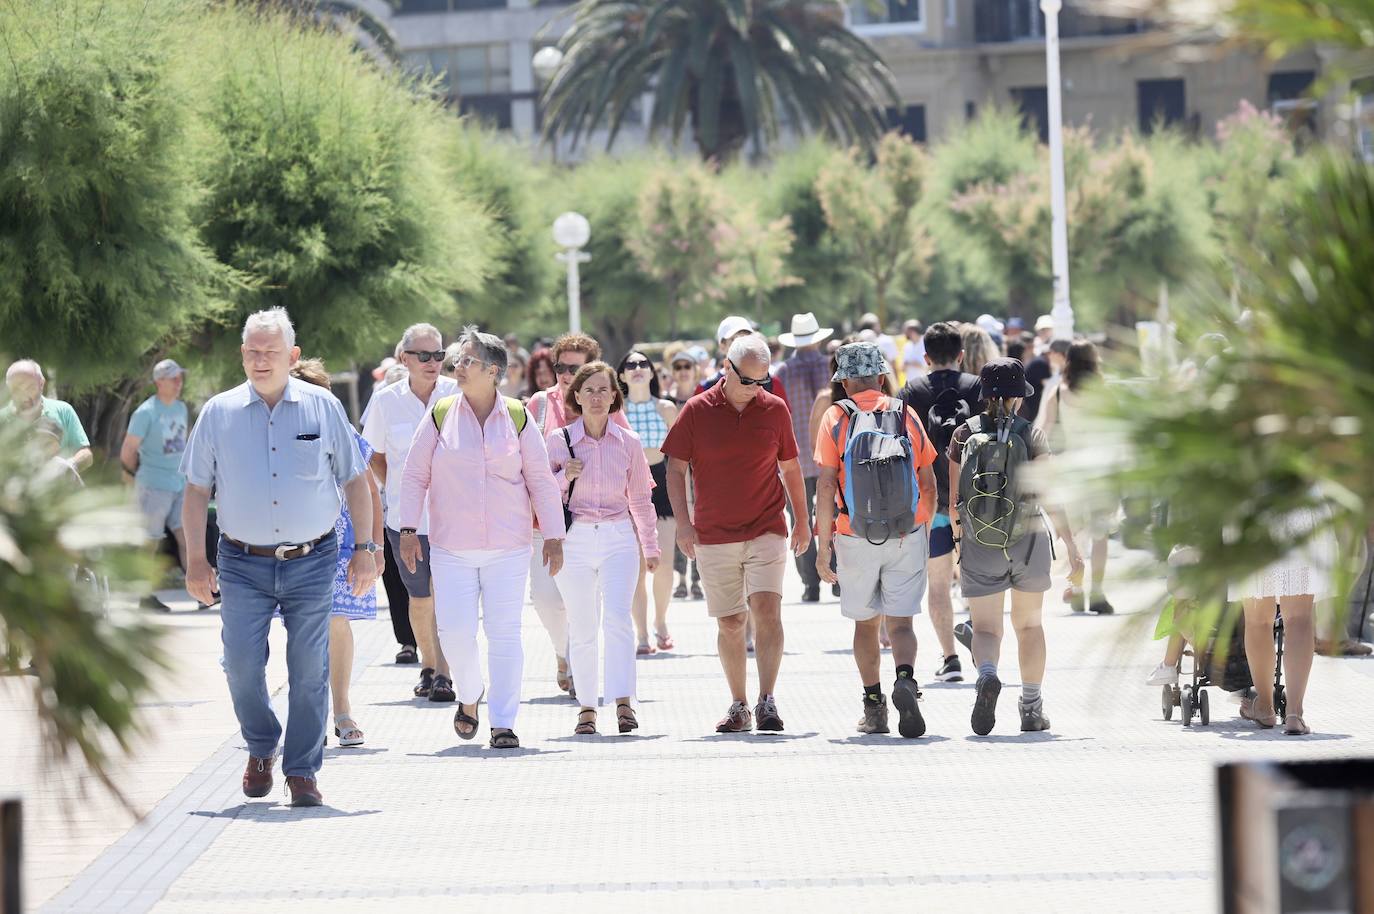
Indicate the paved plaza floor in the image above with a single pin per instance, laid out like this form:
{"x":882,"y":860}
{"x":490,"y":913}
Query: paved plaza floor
{"x":1112,"y":810}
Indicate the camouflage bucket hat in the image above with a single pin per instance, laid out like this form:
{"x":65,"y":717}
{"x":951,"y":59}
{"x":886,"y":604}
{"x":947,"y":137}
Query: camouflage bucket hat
{"x":859,"y":360}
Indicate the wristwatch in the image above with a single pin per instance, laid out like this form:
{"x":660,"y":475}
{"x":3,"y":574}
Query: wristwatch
{"x":369,"y":548}
{"x":407,"y":530}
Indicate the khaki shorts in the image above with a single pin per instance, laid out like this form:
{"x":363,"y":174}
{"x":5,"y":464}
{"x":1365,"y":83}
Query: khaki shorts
{"x":731,"y":573}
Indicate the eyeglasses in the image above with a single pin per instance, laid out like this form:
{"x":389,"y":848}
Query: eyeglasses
{"x":636,"y":364}
{"x":435,"y":356}
{"x":748,"y":382}
{"x":467,"y":361}
{"x":563,"y":368}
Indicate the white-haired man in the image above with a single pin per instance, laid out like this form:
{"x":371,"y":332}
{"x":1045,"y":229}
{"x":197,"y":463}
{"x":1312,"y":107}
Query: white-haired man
{"x":277,"y":452}
{"x":731,"y":329}
{"x":393,"y":415}
{"x":736,"y":437}
{"x":151,"y":459}
{"x":26,"y":383}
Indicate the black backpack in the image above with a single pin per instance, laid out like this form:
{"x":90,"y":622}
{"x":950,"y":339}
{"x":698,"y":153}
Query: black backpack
{"x":948,"y":410}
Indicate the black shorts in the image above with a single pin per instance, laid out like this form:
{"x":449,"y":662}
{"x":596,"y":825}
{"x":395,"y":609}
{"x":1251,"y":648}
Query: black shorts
{"x":941,"y":540}
{"x":662,"y":506}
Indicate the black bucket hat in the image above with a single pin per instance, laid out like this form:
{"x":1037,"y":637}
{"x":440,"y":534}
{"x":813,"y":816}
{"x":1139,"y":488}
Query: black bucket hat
{"x":1004,"y":378}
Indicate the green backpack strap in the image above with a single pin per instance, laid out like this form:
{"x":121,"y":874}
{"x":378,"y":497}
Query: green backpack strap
{"x":513,"y":406}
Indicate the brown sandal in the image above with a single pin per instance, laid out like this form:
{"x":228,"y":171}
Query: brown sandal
{"x":1294,"y":725}
{"x":625,"y":717}
{"x":1247,"y":711}
{"x":585,"y":727}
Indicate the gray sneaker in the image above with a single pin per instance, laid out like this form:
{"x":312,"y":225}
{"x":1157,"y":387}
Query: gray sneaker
{"x":874,"y":719}
{"x":963,"y":633}
{"x":905,"y":696}
{"x":1033,"y":718}
{"x":766,"y":715}
{"x":985,"y":705}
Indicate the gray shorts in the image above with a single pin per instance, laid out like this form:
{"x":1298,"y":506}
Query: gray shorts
{"x":417,"y":584}
{"x":161,"y":511}
{"x":1024,"y":566}
{"x":889,"y":579}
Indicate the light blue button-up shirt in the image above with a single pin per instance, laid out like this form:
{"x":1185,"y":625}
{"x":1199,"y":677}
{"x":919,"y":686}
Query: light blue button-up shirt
{"x":276,"y":473}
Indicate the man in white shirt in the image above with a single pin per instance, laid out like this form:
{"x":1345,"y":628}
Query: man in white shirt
{"x":913,"y":350}
{"x":392,"y":417}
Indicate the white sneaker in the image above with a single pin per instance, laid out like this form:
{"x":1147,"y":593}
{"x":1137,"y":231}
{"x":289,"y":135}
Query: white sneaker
{"x":1163,"y":675}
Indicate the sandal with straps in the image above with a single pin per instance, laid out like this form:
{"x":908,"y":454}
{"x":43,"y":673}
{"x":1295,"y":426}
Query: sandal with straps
{"x":347,"y":730}
{"x":585,"y":727}
{"x":625,"y":718}
{"x":1247,"y":711}
{"x":1294,"y":725}
{"x":462,"y":717}
{"x":504,"y":738}
{"x":563,"y":677}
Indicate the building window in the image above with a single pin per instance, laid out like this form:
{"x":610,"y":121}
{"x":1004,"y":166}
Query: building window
{"x":492,"y":110}
{"x":1363,"y":90}
{"x":407,"y":7}
{"x":472,"y":69}
{"x":910,"y":121}
{"x":887,"y":16}
{"x":1160,"y":102}
{"x":1034,"y":105}
{"x":1290,"y":97}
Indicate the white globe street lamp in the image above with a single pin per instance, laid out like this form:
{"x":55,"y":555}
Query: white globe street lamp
{"x":546,"y":62}
{"x":571,"y":232}
{"x":1062,"y":312}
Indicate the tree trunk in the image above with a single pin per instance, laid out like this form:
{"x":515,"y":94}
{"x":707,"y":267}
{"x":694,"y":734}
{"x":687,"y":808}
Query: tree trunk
{"x":105,"y":413}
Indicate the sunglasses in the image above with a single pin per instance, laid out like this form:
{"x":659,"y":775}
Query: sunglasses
{"x":748,"y":382}
{"x":636,"y":364}
{"x":562,"y":368}
{"x":435,"y":356}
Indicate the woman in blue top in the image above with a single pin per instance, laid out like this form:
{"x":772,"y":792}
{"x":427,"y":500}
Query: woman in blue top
{"x":347,"y":607}
{"x":650,"y":417}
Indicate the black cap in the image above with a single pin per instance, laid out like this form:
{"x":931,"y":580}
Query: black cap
{"x":1005,"y":378}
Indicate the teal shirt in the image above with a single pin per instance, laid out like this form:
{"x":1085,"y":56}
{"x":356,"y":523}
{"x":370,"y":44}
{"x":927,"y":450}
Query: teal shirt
{"x":73,"y":435}
{"x":163,"y":430}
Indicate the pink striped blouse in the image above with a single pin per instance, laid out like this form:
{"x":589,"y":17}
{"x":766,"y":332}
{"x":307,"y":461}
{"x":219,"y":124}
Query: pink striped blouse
{"x":481,"y":480}
{"x":615,"y":481}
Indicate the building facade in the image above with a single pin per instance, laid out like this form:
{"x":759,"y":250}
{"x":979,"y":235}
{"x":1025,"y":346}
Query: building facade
{"x":950,"y":58}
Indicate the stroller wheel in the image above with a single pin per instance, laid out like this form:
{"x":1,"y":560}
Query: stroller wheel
{"x":1186,"y":703}
{"x":1166,"y":703}
{"x":1203,"y":711}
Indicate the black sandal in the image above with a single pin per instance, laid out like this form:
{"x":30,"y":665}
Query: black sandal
{"x":462,"y":717}
{"x":585,"y":727}
{"x":625,"y":717}
{"x":442,"y":690}
{"x":407,"y":656}
{"x":504,"y":739}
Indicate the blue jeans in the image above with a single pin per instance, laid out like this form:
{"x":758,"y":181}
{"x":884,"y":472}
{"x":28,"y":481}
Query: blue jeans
{"x":252,"y":587}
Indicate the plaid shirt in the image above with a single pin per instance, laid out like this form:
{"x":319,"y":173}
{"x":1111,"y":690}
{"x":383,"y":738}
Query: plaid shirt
{"x":805,"y":375}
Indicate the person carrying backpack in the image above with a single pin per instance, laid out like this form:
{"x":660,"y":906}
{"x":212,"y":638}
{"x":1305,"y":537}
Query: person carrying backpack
{"x":945,"y":398}
{"x":876,"y":465}
{"x":1002,"y":539}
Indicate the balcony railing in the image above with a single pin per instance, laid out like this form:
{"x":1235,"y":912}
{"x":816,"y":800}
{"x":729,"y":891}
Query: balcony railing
{"x":1021,"y":20}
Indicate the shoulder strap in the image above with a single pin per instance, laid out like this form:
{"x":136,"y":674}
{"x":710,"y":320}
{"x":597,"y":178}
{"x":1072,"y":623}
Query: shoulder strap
{"x":850,"y":409}
{"x":567,"y":439}
{"x":440,"y":411}
{"x":517,"y":414}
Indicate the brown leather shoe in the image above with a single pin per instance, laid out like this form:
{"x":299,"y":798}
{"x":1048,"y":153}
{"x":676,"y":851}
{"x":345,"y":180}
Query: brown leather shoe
{"x":303,"y":791}
{"x":257,"y":777}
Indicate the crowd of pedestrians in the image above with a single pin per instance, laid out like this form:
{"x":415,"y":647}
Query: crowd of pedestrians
{"x":888,"y":469}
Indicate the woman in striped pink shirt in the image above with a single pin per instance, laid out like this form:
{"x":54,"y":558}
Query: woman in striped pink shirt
{"x":606,"y":484}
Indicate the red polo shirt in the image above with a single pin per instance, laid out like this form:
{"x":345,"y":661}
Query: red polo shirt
{"x":734,"y":457}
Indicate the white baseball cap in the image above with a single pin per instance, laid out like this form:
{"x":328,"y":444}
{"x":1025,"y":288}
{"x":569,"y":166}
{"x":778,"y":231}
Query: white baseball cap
{"x":167,"y":369}
{"x":1044,"y":322}
{"x":990,"y":323}
{"x":731,"y":326}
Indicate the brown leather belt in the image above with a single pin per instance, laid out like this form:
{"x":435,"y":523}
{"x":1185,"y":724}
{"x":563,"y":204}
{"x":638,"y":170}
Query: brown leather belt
{"x":283,"y":553}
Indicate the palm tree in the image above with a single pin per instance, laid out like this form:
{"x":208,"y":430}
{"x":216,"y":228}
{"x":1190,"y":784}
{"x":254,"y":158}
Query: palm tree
{"x":733,"y":70}
{"x":350,"y":17}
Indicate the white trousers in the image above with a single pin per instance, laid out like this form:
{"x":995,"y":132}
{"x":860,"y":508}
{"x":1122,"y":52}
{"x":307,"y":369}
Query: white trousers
{"x":548,"y":602}
{"x":600,"y":571}
{"x":495,"y":579}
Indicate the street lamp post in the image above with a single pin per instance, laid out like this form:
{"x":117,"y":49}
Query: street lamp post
{"x":1062,"y":312}
{"x":571,"y":232}
{"x":545,"y":64}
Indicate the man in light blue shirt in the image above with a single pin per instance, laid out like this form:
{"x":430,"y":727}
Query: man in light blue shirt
{"x":151,"y":458}
{"x":26,"y":383}
{"x":275,"y":451}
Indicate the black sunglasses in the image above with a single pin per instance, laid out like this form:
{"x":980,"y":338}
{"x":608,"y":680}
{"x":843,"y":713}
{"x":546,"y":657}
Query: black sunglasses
{"x":635,"y":364}
{"x":748,"y":382}
{"x":435,"y":356}
{"x":562,"y":368}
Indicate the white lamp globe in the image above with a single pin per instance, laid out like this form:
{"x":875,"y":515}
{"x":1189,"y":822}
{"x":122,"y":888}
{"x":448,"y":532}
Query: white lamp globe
{"x":571,"y":230}
{"x":546,"y":62}
{"x":1051,"y":7}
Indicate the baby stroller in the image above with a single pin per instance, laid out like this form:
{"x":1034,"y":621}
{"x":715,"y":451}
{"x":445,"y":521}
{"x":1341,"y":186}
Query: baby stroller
{"x":1229,"y":671}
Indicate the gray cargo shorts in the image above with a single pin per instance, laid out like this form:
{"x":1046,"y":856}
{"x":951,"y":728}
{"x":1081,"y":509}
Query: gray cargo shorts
{"x":1023,"y":566}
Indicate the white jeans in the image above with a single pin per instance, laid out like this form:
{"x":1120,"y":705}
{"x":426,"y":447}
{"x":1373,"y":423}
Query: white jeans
{"x":600,"y":571}
{"x":548,"y":602}
{"x":496,"y":579}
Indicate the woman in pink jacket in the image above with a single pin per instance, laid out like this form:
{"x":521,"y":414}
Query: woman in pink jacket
{"x":483,"y":468}
{"x":606,"y":483}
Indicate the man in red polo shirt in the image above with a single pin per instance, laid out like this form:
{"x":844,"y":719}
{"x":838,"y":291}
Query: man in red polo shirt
{"x":735,"y":437}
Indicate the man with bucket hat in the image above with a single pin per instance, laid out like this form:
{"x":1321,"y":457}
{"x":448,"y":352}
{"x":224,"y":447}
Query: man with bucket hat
{"x":806,"y":373}
{"x":874,"y":453}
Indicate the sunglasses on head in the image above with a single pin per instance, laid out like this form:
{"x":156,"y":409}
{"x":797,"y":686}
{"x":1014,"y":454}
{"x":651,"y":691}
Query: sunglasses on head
{"x":562,"y":368}
{"x":436,"y":356}
{"x":748,"y":382}
{"x":635,"y":364}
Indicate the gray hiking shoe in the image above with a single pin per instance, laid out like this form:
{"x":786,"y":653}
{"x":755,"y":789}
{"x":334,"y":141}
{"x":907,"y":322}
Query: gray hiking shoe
{"x":963,"y":633}
{"x":874,"y":719}
{"x":1033,"y":718}
{"x":985,"y":705}
{"x":905,"y":695}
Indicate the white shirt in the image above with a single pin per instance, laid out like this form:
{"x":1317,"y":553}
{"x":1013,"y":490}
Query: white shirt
{"x":888,"y":347}
{"x":914,"y":356}
{"x":392,"y":417}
